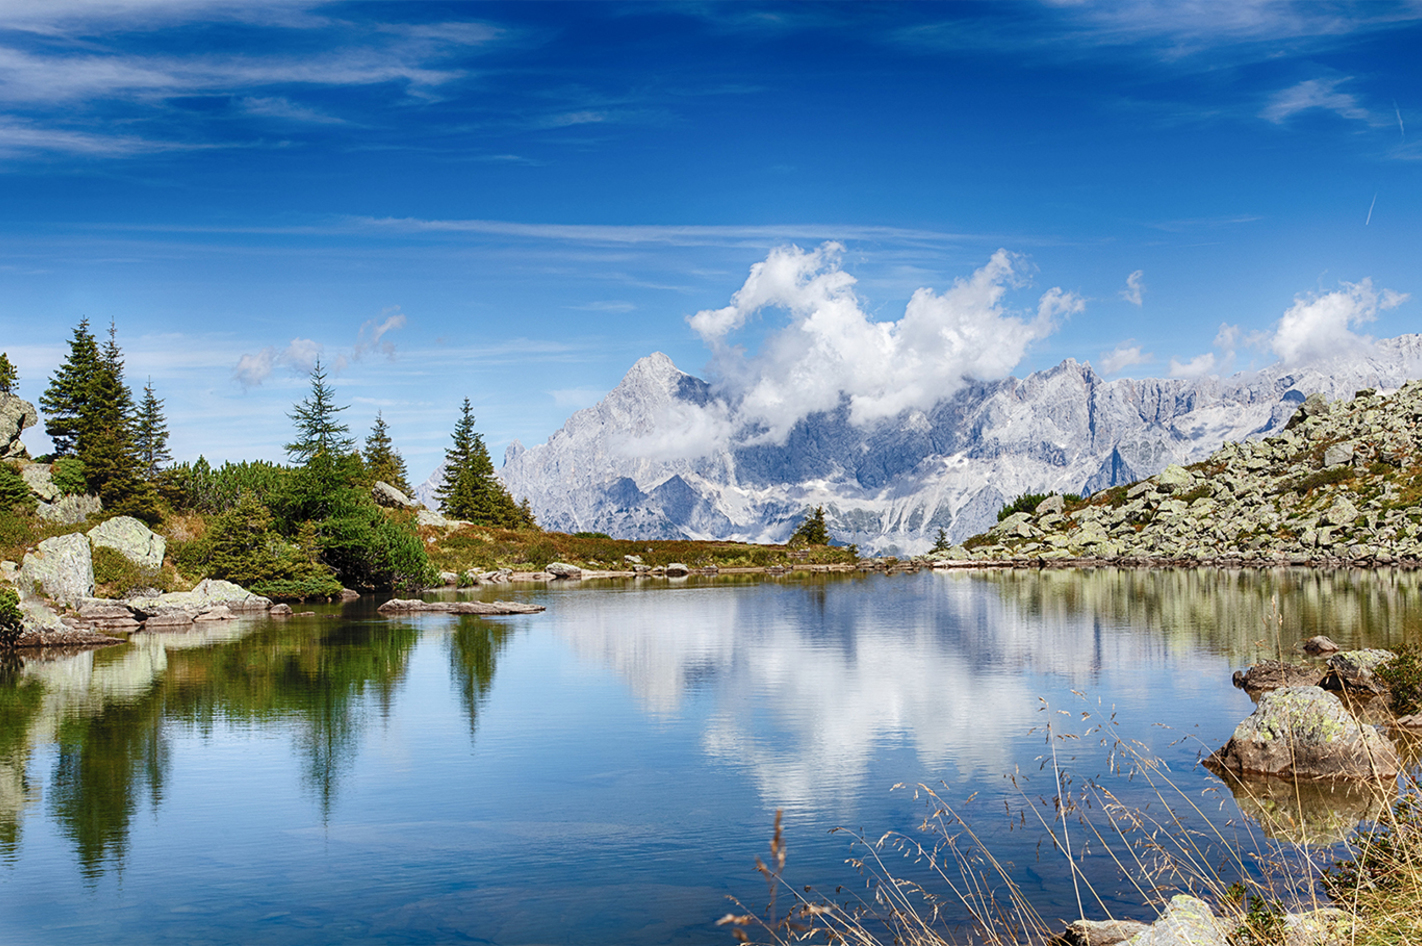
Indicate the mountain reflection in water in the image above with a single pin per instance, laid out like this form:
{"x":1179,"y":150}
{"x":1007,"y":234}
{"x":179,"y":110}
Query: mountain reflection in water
{"x":510,"y":780}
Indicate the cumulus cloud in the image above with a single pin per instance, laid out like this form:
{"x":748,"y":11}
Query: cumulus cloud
{"x":1318,"y":327}
{"x":1196,"y":367}
{"x":1124,"y":356}
{"x":1134,"y":292}
{"x":831,"y":349}
{"x":300,"y":355}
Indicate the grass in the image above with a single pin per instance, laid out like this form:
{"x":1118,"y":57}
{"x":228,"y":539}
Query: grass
{"x":941,"y":884}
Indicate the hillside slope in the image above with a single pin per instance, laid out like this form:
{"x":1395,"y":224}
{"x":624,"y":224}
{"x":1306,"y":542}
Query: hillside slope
{"x":1342,"y":483}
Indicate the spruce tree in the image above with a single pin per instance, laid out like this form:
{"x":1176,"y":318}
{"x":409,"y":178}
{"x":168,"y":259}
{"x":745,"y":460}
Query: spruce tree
{"x":382,"y":461}
{"x":106,"y":443}
{"x":8,"y":375}
{"x":150,"y":433}
{"x":66,"y":400}
{"x":813,"y":530}
{"x":318,"y":430}
{"x":471,"y":491}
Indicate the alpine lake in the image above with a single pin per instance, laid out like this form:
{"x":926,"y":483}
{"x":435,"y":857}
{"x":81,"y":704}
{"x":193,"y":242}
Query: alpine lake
{"x":607,"y":771}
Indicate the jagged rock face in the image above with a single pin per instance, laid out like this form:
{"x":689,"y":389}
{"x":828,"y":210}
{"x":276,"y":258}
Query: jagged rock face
{"x":650,"y":460}
{"x":15,"y":415}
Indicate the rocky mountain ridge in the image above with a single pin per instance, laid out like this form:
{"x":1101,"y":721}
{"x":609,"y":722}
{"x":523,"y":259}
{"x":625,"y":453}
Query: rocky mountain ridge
{"x":665,"y":455}
{"x":1340,"y":484}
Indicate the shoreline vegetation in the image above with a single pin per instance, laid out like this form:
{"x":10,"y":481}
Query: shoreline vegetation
{"x":109,"y":534}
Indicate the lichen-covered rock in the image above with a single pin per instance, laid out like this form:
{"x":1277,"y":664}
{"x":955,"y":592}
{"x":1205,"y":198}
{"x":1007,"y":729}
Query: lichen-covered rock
{"x":37,"y":478}
{"x":207,"y":593}
{"x":1326,"y":926}
{"x":563,"y":570}
{"x":131,"y":539}
{"x":62,"y":567}
{"x":1272,"y":674}
{"x":1187,"y":921}
{"x":16,"y":414}
{"x":1305,"y":732}
{"x":1352,"y":670}
{"x":1099,"y":932}
{"x":70,"y":510}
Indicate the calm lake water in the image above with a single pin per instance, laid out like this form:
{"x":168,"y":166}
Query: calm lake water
{"x":606,"y":772}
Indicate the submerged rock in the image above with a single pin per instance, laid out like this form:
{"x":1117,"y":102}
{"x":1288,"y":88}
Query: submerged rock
{"x":1305,"y":732}
{"x":415,"y":605}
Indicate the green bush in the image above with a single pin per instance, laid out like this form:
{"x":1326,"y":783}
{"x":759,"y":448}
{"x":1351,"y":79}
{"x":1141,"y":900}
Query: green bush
{"x":11,"y":618}
{"x":370,"y":549}
{"x":200,"y":488}
{"x":1403,"y":675}
{"x":69,"y":476}
{"x":122,"y":577}
{"x":298,"y":589}
{"x":15,"y":493}
{"x":1337,"y":474}
{"x":1027,"y":502}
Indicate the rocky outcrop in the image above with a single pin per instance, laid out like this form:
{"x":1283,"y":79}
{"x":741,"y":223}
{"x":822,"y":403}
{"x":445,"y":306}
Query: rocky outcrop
{"x":70,"y":510}
{"x":414,"y":606}
{"x":386,"y":495}
{"x":1305,"y":732}
{"x":665,"y":455}
{"x":1273,"y":674}
{"x":15,"y":415}
{"x":37,"y":478}
{"x":62,"y":567}
{"x":1275,"y":500}
{"x":131,"y":539}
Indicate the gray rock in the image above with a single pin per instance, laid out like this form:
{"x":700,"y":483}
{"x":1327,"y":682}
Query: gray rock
{"x":563,"y":570}
{"x":677,"y":570}
{"x":15,"y":415}
{"x":131,"y":539}
{"x":279,"y":611}
{"x":62,"y":567}
{"x":208,"y":592}
{"x":449,"y":578}
{"x":170,"y":619}
{"x":1187,"y":921}
{"x":1326,"y":926}
{"x":386,"y":495}
{"x":70,"y":510}
{"x":37,"y":478}
{"x":414,"y":605}
{"x":1320,"y":645}
{"x":218,"y":612}
{"x":1175,"y":478}
{"x":1273,"y":674}
{"x":1305,"y":732}
{"x":1051,"y":506}
{"x":1353,"y":670}
{"x":1100,"y":932}
{"x":1338,"y":454}
{"x":632,"y":559}
{"x":1341,"y":513}
{"x":427,"y":518}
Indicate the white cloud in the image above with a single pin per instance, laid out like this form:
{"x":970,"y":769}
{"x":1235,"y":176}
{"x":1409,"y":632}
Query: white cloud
{"x":1124,"y":356}
{"x":281,"y":107}
{"x":1316,"y":93}
{"x":299,"y":355}
{"x":832,"y":350}
{"x":1319,"y":327}
{"x":1194,"y":368}
{"x":372,"y":334}
{"x":1135,"y":288}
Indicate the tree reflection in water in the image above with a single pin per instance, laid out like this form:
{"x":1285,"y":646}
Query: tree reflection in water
{"x":474,"y":647}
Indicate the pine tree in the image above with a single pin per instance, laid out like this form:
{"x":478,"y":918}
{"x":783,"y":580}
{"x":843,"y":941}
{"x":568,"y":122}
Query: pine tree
{"x":106,"y":443}
{"x":8,"y":375}
{"x":471,"y":491}
{"x":813,"y":530}
{"x":66,"y":400}
{"x":318,"y":431}
{"x":382,"y":461}
{"x":940,"y":542}
{"x":150,"y":433}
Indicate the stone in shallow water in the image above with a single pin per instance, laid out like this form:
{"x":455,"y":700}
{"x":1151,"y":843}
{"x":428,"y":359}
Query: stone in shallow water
{"x":1305,"y":732}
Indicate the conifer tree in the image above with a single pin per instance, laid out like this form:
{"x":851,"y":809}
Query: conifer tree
{"x":8,"y":375}
{"x":813,"y":530}
{"x":318,"y":430}
{"x":471,"y":491}
{"x":382,"y":461}
{"x":106,"y":443}
{"x":150,"y":433}
{"x":66,"y":400}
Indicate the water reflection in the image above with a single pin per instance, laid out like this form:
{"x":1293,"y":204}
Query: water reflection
{"x":1313,"y":813}
{"x":474,"y":647}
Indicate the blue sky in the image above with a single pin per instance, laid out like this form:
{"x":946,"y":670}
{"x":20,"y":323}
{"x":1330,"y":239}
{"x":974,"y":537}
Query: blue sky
{"x":513,"y":202}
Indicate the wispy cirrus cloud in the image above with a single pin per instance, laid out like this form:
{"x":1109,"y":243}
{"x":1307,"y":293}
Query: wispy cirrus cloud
{"x":1319,"y":94}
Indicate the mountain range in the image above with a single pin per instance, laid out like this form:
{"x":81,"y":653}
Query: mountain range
{"x":665,"y":455}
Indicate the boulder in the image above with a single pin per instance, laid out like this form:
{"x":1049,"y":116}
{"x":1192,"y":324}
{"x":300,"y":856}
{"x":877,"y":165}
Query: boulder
{"x":678,"y":570}
{"x":1338,"y":454}
{"x":632,"y":559}
{"x":1305,"y":732}
{"x":70,"y":510}
{"x":1320,"y":645}
{"x":1099,"y":932}
{"x":208,"y":592}
{"x":280,"y":611}
{"x":1051,"y":506}
{"x":1341,"y":513}
{"x":1272,"y":674}
{"x":449,"y":578}
{"x":427,"y":518}
{"x":1352,"y":670}
{"x":563,"y":570}
{"x":218,"y":612}
{"x":1187,"y":921}
{"x":131,"y":539}
{"x":170,"y":619}
{"x":388,"y":496}
{"x":1175,"y":479}
{"x":349,"y":594}
{"x":37,"y":478}
{"x":1326,"y":926}
{"x":62,"y":567}
{"x":16,"y":414}
{"x":107,"y":614}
